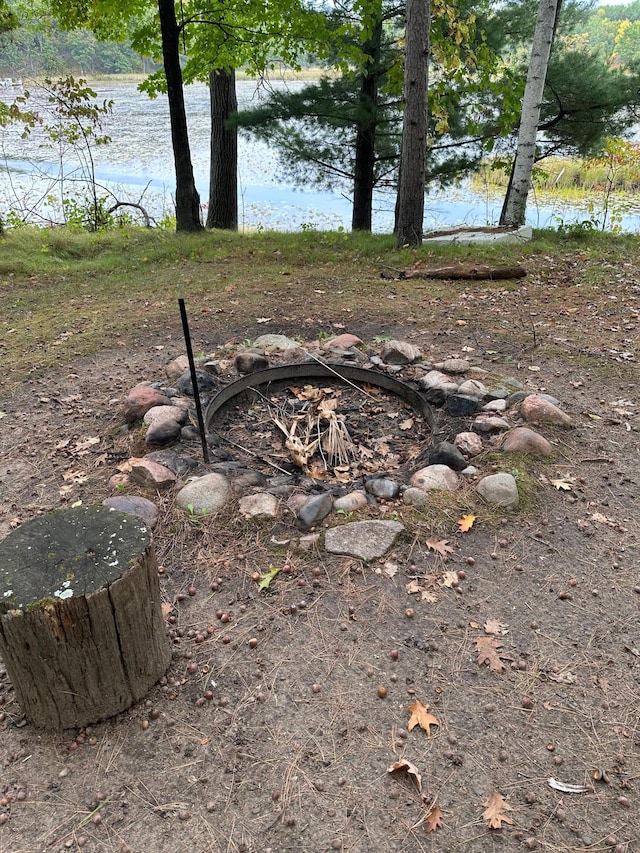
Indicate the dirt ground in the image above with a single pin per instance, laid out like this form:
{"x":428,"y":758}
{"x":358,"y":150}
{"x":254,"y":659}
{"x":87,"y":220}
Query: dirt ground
{"x":277,"y":732}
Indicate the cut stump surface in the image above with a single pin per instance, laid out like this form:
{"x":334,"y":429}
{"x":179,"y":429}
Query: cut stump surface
{"x":81,"y":628}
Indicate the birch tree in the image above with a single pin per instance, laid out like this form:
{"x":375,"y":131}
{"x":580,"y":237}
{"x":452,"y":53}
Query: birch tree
{"x":515,"y":203}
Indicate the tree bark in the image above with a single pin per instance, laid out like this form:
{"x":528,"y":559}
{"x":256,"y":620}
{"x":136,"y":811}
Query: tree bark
{"x":81,"y":628}
{"x":515,"y":204}
{"x":472,"y":273}
{"x":187,"y":199}
{"x":223,"y":172}
{"x":365,"y":147}
{"x":410,"y":201}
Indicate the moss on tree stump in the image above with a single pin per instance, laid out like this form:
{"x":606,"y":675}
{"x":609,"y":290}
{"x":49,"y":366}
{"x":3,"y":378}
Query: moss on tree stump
{"x":81,"y":628}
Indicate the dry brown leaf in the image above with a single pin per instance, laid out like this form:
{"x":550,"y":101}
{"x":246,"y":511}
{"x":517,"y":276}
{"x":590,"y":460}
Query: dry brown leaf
{"x":420,"y":716}
{"x":407,"y":424}
{"x":441,"y":546}
{"x":450,"y":579}
{"x":166,"y":608}
{"x":434,"y":818}
{"x":565,"y":677}
{"x":466,"y":523}
{"x":390,"y":569}
{"x":492,"y":626}
{"x":495,"y":812}
{"x":414,"y":588}
{"x":488,"y":653}
{"x":407,"y":767}
{"x":561,"y":485}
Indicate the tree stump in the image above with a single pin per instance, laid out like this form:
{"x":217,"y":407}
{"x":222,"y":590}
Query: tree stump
{"x":81,"y":627}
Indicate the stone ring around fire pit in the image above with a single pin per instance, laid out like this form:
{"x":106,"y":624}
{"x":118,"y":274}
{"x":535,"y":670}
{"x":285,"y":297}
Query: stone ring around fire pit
{"x":337,"y":371}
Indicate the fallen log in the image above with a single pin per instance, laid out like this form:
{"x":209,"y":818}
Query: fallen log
{"x":474,"y":273}
{"x":81,"y":629}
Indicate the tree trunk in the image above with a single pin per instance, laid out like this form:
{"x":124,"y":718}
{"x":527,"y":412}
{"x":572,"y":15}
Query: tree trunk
{"x":365,"y":148}
{"x":515,"y":203}
{"x":81,"y":628}
{"x":187,"y":198}
{"x":410,"y":201}
{"x":223,"y":174}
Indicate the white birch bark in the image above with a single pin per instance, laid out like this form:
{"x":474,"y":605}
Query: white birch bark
{"x":515,"y":203}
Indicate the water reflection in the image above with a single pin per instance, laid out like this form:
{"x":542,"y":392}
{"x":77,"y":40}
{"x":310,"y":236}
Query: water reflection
{"x":138,"y":166}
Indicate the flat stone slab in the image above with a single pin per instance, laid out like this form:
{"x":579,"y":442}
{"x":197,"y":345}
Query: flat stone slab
{"x":366,"y":540}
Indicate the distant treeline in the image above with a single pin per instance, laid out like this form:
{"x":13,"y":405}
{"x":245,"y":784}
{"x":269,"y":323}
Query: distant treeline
{"x":31,"y":51}
{"x":27,"y":52}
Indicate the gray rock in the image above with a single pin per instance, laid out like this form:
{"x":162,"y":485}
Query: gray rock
{"x":206,"y":495}
{"x":500,"y":489}
{"x":351,"y":502}
{"x":163,"y":413}
{"x":259,"y":505}
{"x":399,"y":352}
{"x":307,"y":542}
{"x":276,"y":342}
{"x":133,"y":505}
{"x":435,"y":477}
{"x":178,"y":463}
{"x":517,"y":397}
{"x":366,"y":540}
{"x":454,"y":365}
{"x":177,"y":367}
{"x":415,"y":497}
{"x":461,"y":405}
{"x":314,"y":510}
{"x":249,"y":362}
{"x":445,"y":453}
{"x":473,"y":388}
{"x":436,"y":381}
{"x":498,"y":405}
{"x":206,"y":382}
{"x":244,"y":478}
{"x":485,"y":424}
{"x":499,"y":392}
{"x":162,"y":431}
{"x":381,"y":487}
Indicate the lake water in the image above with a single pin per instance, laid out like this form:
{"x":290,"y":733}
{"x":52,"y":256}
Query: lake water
{"x":138,"y":166}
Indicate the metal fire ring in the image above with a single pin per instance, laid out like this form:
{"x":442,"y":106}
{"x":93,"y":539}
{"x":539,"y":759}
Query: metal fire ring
{"x":335,"y":371}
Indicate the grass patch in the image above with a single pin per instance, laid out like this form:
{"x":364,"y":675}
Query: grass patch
{"x":65,"y":294}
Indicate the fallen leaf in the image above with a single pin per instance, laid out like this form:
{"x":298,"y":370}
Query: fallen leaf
{"x":450,"y":579}
{"x":414,"y":588}
{"x":263,"y":319}
{"x":441,"y":546}
{"x":166,"y":608}
{"x":389,"y":569}
{"x":566,"y":787}
{"x":466,"y":523}
{"x":317,"y":471}
{"x":434,"y":818}
{"x":407,"y":767}
{"x":561,"y":485}
{"x":420,"y":716}
{"x":267,"y":577}
{"x":408,"y":424}
{"x":562,"y":677}
{"x":495,"y":813}
{"x":489,"y":654}
{"x":492,"y":626}
{"x":81,"y":446}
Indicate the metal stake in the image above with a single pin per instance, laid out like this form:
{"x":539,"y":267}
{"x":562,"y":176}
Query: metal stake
{"x":194,"y":381}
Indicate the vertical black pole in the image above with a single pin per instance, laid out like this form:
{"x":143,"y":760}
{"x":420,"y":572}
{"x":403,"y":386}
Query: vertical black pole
{"x":194,"y":380}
